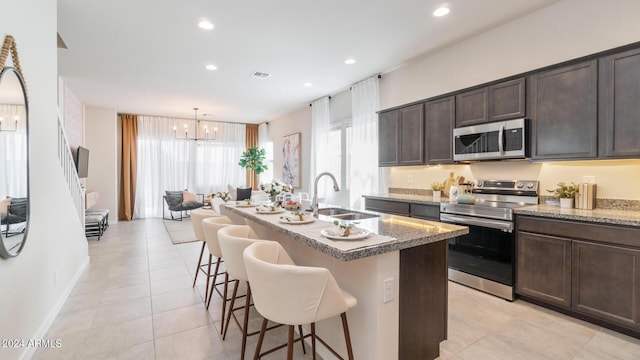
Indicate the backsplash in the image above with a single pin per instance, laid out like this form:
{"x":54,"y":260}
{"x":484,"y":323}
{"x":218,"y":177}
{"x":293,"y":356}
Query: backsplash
{"x":601,"y":203}
{"x":615,"y":178}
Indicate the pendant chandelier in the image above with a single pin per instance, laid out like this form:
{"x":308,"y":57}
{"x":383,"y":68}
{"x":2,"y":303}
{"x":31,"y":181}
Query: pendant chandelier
{"x":207,"y":135}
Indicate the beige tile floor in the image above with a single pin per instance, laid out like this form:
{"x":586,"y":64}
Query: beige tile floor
{"x":135,"y":301}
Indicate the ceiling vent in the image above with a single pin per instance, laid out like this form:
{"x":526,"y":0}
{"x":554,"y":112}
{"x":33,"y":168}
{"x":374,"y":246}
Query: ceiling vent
{"x":260,"y":75}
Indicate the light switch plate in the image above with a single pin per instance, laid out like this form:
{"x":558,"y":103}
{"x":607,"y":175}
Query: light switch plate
{"x":388,"y":290}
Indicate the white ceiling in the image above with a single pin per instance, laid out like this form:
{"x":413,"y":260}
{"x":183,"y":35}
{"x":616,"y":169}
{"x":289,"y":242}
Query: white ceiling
{"x":149,"y":56}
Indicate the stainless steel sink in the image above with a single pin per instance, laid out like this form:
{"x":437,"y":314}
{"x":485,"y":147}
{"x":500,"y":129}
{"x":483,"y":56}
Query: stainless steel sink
{"x":345,"y":214}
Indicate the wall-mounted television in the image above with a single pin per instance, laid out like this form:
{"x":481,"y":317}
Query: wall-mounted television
{"x":82,"y":161}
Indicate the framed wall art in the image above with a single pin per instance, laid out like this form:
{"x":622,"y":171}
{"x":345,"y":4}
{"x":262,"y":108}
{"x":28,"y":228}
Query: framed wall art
{"x":291,"y":160}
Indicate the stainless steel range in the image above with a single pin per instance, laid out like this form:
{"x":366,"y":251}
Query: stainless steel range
{"x":484,"y":259}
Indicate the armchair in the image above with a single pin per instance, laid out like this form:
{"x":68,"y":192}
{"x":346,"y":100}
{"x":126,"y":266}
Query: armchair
{"x":176,"y":202}
{"x":16,"y":214}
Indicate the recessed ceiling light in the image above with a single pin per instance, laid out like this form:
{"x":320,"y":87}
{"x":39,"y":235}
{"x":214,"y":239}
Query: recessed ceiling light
{"x":441,"y":11}
{"x":205,"y":24}
{"x":211,"y":67}
{"x":350,"y":61}
{"x":307,"y":84}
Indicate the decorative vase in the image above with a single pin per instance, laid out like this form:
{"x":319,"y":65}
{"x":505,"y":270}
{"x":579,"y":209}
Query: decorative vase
{"x":566,"y":203}
{"x":437,"y":194}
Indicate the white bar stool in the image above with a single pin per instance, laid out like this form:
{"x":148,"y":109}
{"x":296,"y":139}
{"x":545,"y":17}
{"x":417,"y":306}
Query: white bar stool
{"x":233,"y":240}
{"x":293,"y":295}
{"x":210,"y":227}
{"x":197,"y":216}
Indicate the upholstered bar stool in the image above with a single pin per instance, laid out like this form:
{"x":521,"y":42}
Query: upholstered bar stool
{"x":210,"y":227}
{"x":233,"y":240}
{"x":197,"y":216}
{"x":293,"y":295}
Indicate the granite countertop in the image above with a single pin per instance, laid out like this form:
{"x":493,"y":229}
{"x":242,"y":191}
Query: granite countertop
{"x":416,"y":199}
{"x":394,"y":233}
{"x":604,"y":216}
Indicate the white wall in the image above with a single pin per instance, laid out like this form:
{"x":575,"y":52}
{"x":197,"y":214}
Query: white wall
{"x":563,"y":31}
{"x":300,"y":121}
{"x":101,"y":138}
{"x":560,"y":32}
{"x":297,"y":121}
{"x":55,"y":240}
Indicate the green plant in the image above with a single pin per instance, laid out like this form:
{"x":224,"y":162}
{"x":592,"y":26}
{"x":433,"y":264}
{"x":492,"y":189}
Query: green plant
{"x":253,"y":159}
{"x":565,"y":191}
{"x":437,"y":186}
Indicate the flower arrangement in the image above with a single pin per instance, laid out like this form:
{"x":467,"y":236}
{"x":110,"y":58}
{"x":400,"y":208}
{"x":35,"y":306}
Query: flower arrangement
{"x":275,"y":187}
{"x":565,"y":191}
{"x":222,"y":195}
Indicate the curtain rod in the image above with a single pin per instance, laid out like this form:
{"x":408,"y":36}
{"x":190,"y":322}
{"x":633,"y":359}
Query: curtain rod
{"x":319,"y":99}
{"x":177,"y":118}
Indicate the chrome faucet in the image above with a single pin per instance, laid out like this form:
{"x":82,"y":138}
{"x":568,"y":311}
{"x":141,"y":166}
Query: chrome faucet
{"x":314,"y":204}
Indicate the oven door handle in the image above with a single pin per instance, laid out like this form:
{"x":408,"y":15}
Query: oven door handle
{"x":501,"y":140}
{"x":506,"y":226}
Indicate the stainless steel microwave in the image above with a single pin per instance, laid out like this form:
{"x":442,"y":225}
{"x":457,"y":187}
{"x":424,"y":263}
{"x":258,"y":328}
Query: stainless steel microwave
{"x":492,"y":141}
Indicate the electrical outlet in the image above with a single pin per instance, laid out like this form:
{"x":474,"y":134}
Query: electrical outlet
{"x":388,"y":290}
{"x":55,"y":278}
{"x":410,"y":179}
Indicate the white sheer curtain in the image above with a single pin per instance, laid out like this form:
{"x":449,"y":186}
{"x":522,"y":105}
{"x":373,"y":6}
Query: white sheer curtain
{"x":167,"y":163}
{"x":217,"y":161}
{"x":266,"y":143}
{"x":320,"y":130}
{"x":13,"y":144}
{"x":363,"y":169}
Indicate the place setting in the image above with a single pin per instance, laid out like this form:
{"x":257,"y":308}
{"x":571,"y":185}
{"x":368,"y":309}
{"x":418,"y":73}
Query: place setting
{"x":273,"y":208}
{"x":345,"y":231}
{"x":297,"y":218}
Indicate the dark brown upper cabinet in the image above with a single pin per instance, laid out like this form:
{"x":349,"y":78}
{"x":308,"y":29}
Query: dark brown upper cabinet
{"x":497,"y":102}
{"x":439,"y":117}
{"x":472,"y":107}
{"x":401,"y":136}
{"x":563,"y":112}
{"x":620,"y":105}
{"x":388,"y":136}
{"x":507,"y":100}
{"x":412,"y":135}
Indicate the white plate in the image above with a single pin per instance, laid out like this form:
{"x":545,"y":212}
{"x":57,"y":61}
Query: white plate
{"x":336,"y":234}
{"x":267,"y":210}
{"x":294,"y":220}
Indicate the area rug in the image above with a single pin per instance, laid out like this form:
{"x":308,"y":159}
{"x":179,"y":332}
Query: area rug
{"x":180,"y":231}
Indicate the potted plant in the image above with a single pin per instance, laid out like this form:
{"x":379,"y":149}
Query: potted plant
{"x":437,"y":188}
{"x":566,"y":193}
{"x":253,"y":159}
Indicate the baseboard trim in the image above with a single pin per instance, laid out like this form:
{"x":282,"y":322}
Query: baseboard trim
{"x":48,"y":321}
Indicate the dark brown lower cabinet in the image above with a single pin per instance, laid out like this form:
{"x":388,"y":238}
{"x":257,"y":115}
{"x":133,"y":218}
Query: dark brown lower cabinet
{"x":404,"y":208}
{"x":591,"y":271}
{"x":606,"y":282}
{"x":387,"y":206}
{"x":544,"y":268}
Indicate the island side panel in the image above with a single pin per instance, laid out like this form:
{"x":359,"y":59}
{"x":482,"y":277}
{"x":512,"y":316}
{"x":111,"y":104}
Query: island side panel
{"x":423,"y":301}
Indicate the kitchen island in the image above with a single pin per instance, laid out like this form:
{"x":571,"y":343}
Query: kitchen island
{"x":398,"y":274}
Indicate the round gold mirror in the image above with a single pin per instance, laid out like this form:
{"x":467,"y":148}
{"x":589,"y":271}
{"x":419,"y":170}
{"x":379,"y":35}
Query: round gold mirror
{"x":14,"y":163}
